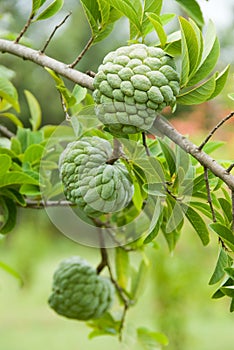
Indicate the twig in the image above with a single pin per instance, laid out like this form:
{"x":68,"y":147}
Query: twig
{"x":145,"y":144}
{"x":233,"y":209}
{"x":83,"y":52}
{"x":64,"y":106}
{"x":46,"y":61}
{"x":125,"y":301}
{"x":229,"y":169}
{"x":25,"y":28}
{"x":40,"y":204}
{"x":53,"y":32}
{"x":215,"y":129}
{"x":5,"y":132}
{"x":117,"y":152}
{"x":209,"y":199}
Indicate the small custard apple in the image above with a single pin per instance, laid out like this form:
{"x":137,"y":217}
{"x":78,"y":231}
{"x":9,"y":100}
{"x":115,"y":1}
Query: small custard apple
{"x":78,"y":292}
{"x":91,"y":181}
{"x":131,"y":85}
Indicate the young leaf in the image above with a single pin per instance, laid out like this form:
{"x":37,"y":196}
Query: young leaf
{"x":11,"y":272}
{"x":207,"y":65}
{"x":151,"y":340}
{"x":199,"y":94}
{"x":104,"y":8}
{"x":193,"y":10}
{"x":150,"y":6}
{"x":192,"y":39}
{"x":198,"y":224}
{"x":9,"y":93}
{"x":219,"y":271}
{"x":51,"y":10}
{"x":128,"y":10}
{"x":16,"y":177}
{"x":10,"y":216}
{"x":220,"y":81}
{"x":122,"y":267}
{"x":35,"y":110}
{"x":5,"y":162}
{"x":33,"y":154}
{"x":155,"y":20}
{"x":169,"y":156}
{"x":12,"y":118}
{"x":138,"y":280}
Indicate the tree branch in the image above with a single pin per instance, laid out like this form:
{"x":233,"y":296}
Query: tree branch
{"x":40,"y":204}
{"x":5,"y":132}
{"x":83,"y":52}
{"x":46,"y":61}
{"x":204,"y":159}
{"x":159,"y":125}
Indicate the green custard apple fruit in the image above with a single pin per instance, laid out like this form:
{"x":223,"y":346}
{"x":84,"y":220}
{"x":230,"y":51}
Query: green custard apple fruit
{"x":132,"y":84}
{"x":90,"y":181}
{"x":78,"y":292}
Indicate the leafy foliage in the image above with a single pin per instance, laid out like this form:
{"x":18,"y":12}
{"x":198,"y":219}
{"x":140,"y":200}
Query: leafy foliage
{"x":170,"y":189}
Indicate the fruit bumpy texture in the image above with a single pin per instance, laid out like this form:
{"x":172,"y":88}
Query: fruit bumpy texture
{"x":78,"y":292}
{"x":131,"y":85}
{"x":89,"y":181}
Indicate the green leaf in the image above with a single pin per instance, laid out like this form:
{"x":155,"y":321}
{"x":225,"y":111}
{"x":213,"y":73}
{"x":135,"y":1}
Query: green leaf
{"x":106,"y":325}
{"x":230,"y":272}
{"x":36,"y":4}
{"x":226,"y":208}
{"x":207,"y":65}
{"x":14,"y":195}
{"x":152,"y":169}
{"x":229,"y":291}
{"x":191,"y":48}
{"x":30,"y":190}
{"x":104,"y":8}
{"x":219,"y":271}
{"x":138,"y":280}
{"x":27,"y":137}
{"x":220,"y":81}
{"x":155,"y":221}
{"x":12,"y":118}
{"x":122,"y":267}
{"x":128,"y":10}
{"x":51,"y":10}
{"x":5,"y":162}
{"x":6,"y":72}
{"x":175,"y":216}
{"x":35,"y":110}
{"x":16,"y":177}
{"x":232,"y":305}
{"x":225,"y":233}
{"x":193,"y":10}
{"x":150,"y":6}
{"x":199,"y":94}
{"x":155,"y":20}
{"x":151,"y":340}
{"x":169,"y":156}
{"x":33,"y":154}
{"x":10,"y":212}
{"x":11,"y":272}
{"x":198,"y":224}
{"x":9,"y":93}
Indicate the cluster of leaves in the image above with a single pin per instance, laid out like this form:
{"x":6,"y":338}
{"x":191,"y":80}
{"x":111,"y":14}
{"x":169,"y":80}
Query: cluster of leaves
{"x":169,"y":186}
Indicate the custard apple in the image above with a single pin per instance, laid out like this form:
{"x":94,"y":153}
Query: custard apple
{"x":78,"y":292}
{"x":131,"y":85}
{"x":89,"y":181}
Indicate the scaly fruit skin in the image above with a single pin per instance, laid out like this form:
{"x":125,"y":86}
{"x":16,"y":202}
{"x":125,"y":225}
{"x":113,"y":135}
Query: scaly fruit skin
{"x":78,"y":292}
{"x":131,"y":85}
{"x":95,"y":186}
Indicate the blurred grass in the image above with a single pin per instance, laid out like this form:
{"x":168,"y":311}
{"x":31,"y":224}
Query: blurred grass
{"x":176,"y":300}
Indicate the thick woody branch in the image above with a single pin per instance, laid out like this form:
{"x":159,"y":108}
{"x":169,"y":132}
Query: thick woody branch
{"x":46,"y":61}
{"x":160,"y":125}
{"x":204,"y":159}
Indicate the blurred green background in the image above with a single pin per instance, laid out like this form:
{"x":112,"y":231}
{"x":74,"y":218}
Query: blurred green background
{"x":176,"y":298}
